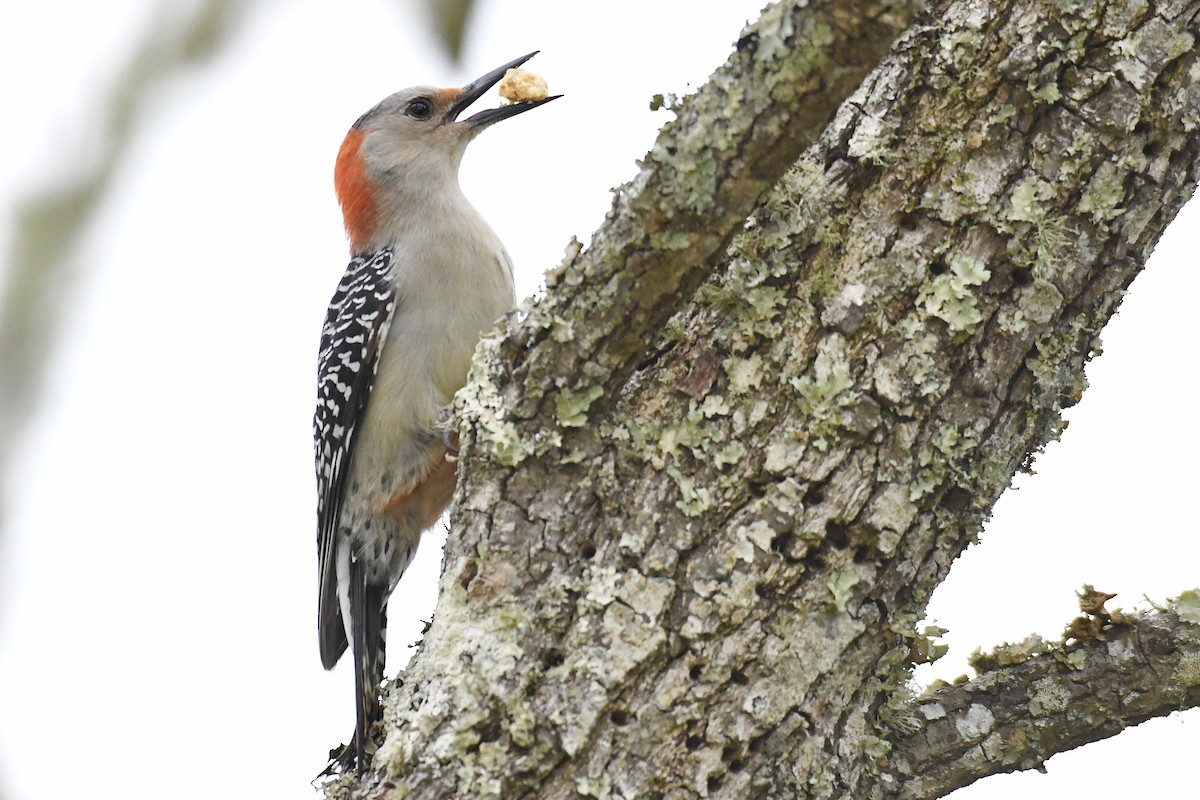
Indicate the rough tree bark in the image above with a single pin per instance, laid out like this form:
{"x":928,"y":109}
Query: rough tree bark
{"x":710,"y":480}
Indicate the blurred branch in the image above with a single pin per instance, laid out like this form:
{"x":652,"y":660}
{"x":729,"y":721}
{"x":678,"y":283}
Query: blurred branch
{"x":50,"y":222}
{"x":450,"y":21}
{"x":1025,"y":707}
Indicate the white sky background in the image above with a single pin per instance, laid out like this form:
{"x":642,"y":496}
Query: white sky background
{"x":158,"y":572}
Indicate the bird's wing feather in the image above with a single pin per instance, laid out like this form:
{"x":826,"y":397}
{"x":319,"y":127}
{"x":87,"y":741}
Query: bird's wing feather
{"x":352,"y":338}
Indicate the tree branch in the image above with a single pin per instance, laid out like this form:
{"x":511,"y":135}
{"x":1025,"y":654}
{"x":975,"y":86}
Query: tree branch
{"x":731,"y":141}
{"x":1014,"y":716}
{"x":695,"y":529}
{"x":50,"y":221}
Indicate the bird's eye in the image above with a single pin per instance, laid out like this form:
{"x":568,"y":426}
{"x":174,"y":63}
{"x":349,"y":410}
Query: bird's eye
{"x":419,"y":108}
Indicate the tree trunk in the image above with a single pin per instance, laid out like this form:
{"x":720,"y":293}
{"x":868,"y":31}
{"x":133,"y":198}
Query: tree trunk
{"x":711,"y":479}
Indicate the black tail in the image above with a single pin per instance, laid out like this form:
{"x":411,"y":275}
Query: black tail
{"x":369,"y":623}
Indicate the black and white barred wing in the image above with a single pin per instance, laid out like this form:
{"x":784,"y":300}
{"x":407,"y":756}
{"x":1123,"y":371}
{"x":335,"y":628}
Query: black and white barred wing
{"x":355,"y":329}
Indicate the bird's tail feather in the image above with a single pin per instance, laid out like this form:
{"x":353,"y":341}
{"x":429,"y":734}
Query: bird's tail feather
{"x":369,"y":622}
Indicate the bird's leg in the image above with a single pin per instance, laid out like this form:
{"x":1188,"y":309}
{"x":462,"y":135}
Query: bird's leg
{"x":448,"y":424}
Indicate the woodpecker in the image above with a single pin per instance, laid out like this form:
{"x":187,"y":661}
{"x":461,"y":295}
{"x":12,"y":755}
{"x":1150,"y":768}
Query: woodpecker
{"x":426,"y":277}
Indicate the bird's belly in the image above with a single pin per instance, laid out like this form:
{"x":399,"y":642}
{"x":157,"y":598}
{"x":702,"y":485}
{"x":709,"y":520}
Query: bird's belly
{"x":399,"y":447}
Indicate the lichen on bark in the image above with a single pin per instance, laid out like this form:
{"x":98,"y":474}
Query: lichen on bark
{"x":711,"y":478}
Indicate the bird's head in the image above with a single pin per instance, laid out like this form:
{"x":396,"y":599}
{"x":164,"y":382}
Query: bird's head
{"x":410,"y":144}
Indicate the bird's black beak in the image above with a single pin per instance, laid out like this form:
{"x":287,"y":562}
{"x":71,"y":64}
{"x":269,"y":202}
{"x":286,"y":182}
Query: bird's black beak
{"x":475,"y":89}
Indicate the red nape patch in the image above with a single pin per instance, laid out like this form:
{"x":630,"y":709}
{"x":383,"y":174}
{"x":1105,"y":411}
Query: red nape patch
{"x":354,"y":191}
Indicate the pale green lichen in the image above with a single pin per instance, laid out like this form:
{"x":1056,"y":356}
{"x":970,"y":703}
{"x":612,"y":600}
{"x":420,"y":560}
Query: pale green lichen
{"x":924,"y":648}
{"x":1187,"y":671}
{"x":841,"y":587}
{"x":822,"y":777}
{"x":686,"y":153}
{"x":731,"y":453}
{"x":599,"y":786}
{"x":758,"y":412}
{"x":573,"y":457}
{"x":571,"y":408}
{"x":772,"y":29}
{"x":735,"y":596}
{"x":971,"y":185}
{"x":958,"y":46}
{"x":827,"y":387}
{"x":764,"y":301}
{"x":480,"y":404}
{"x":1044,"y":86}
{"x":748,"y":311}
{"x":778,"y":50}
{"x":1076,"y":659}
{"x":1026,"y":199}
{"x":1104,"y":194}
{"x":694,"y":500}
{"x":1187,"y":605}
{"x":506,"y":444}
{"x":927,"y":377}
{"x":1049,"y":697}
{"x":562,"y":330}
{"x":670,"y":240}
{"x":1002,"y":115}
{"x":1012,"y":320}
{"x":853,"y":293}
{"x":949,"y":297}
{"x":876,"y":749}
{"x":662,"y":445}
{"x":1079,"y":154}
{"x":925,"y":481}
{"x":744,"y":374}
{"x":714,"y":405}
{"x":1118,"y":17}
{"x":939,"y":459}
{"x":643,"y":442}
